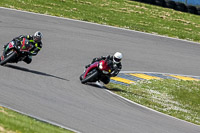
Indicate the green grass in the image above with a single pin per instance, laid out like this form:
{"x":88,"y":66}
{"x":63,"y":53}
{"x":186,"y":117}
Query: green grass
{"x":13,"y":122}
{"x":177,"y":98}
{"x":120,"y":13}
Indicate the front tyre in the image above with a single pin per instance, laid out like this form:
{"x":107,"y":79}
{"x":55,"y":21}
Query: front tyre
{"x":8,"y":58}
{"x":90,"y":77}
{"x":81,"y":77}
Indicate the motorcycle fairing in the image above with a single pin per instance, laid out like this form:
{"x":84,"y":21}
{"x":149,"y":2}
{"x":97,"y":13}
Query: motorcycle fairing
{"x":11,"y":45}
{"x":2,"y":57}
{"x":94,"y":65}
{"x":25,"y":45}
{"x":103,"y":65}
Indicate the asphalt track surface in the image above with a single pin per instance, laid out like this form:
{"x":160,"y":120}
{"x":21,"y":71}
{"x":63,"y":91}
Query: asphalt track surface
{"x":50,"y":89}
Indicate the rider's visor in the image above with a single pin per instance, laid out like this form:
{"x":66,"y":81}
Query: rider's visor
{"x":117,"y":60}
{"x":37,"y":39}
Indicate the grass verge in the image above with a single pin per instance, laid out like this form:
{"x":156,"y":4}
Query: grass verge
{"x":13,"y":122}
{"x":177,"y":98}
{"x":120,"y":13}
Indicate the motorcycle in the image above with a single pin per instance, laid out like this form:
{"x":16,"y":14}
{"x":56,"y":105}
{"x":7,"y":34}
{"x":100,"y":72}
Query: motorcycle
{"x":96,"y":71}
{"x":14,"y":53}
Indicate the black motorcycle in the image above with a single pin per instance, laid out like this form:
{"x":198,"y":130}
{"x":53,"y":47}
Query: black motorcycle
{"x":16,"y":51}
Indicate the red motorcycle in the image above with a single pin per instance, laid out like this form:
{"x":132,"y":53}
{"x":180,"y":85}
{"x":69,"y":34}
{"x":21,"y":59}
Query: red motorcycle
{"x":96,"y":71}
{"x":14,"y":52}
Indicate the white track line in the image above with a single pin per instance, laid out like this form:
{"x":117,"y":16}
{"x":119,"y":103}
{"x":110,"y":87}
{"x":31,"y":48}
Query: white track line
{"x":150,"y":108}
{"x":122,"y":72}
{"x":40,"y":119}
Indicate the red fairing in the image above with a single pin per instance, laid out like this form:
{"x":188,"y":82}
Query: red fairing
{"x":23,"y":44}
{"x":10,"y":45}
{"x":94,"y":65}
{"x":104,"y":65}
{"x":27,"y":48}
{"x":2,"y":57}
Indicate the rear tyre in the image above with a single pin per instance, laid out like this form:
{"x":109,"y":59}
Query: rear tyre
{"x":192,"y":9}
{"x":198,"y":10}
{"x":89,"y":77}
{"x":160,"y":2}
{"x":170,"y":4}
{"x":148,"y":1}
{"x":8,"y":58}
{"x":181,"y":7}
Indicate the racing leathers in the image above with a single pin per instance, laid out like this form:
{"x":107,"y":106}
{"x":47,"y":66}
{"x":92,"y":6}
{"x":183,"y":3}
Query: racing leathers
{"x":33,"y":52}
{"x":115,"y":67}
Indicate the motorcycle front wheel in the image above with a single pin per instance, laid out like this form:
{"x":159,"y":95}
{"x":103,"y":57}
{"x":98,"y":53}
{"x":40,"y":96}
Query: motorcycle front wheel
{"x":8,"y":58}
{"x":90,"y":77}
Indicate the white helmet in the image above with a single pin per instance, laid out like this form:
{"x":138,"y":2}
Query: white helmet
{"x":37,"y":37}
{"x":117,"y":57}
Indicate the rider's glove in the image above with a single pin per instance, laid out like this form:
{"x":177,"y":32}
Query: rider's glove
{"x":115,"y":72}
{"x":94,"y":60}
{"x":32,"y":53}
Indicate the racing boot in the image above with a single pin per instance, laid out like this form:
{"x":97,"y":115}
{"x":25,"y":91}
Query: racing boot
{"x":28,"y":59}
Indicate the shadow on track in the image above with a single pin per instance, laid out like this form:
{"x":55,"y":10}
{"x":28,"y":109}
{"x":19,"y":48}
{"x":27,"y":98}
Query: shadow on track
{"x":34,"y":72}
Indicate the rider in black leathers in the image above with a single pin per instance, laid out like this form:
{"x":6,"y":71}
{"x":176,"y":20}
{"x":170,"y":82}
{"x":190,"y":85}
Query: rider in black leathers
{"x":36,"y":42}
{"x":116,"y":65}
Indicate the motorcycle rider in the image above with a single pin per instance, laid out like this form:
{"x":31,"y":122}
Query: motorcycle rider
{"x":115,"y":62}
{"x":36,"y":42}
